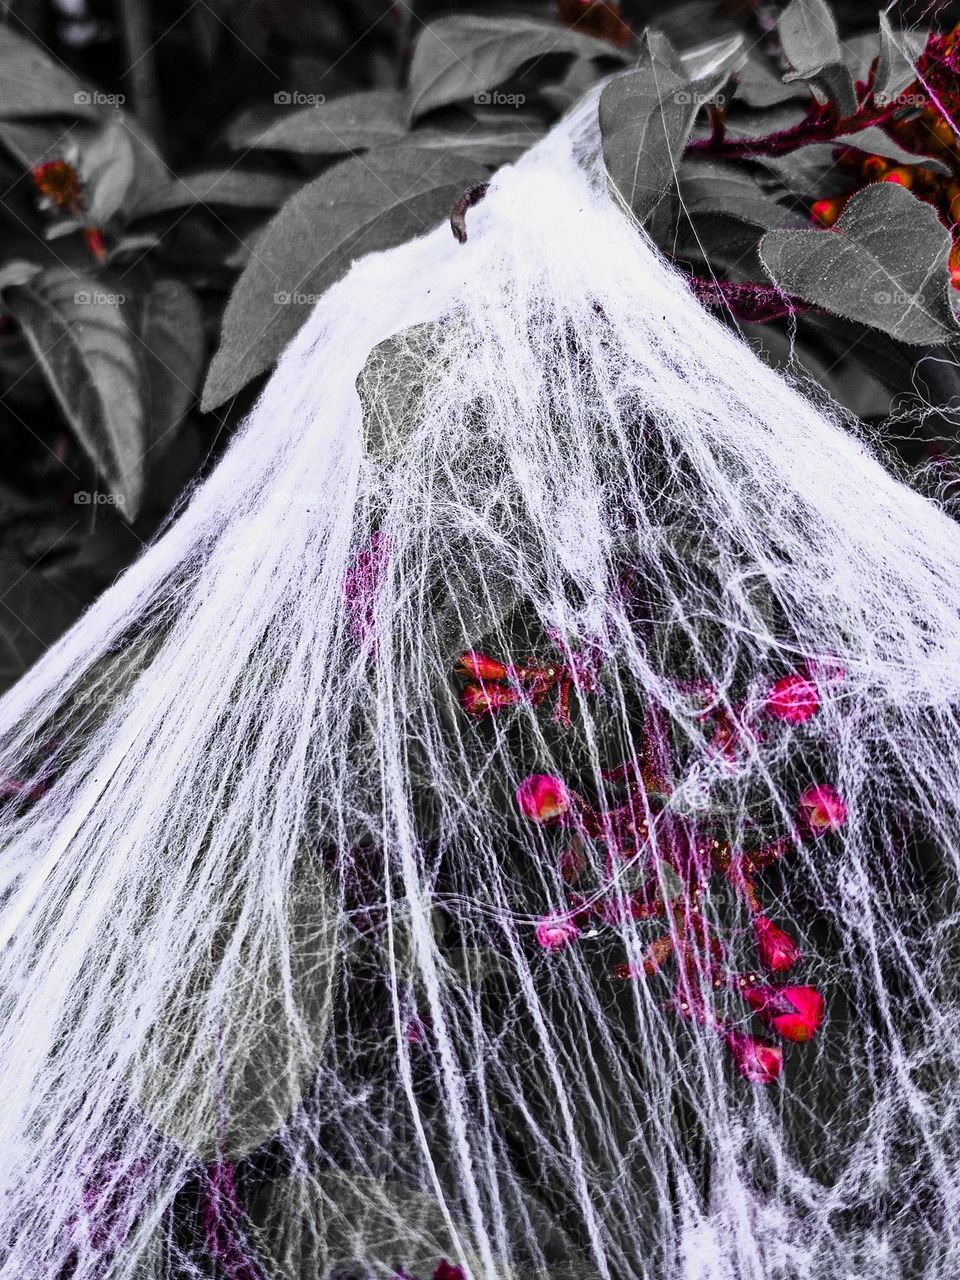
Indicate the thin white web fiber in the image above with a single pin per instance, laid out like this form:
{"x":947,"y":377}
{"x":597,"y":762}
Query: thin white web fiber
{"x":270,"y":991}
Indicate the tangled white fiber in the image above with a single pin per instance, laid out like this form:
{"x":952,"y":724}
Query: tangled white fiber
{"x":273,"y":1004}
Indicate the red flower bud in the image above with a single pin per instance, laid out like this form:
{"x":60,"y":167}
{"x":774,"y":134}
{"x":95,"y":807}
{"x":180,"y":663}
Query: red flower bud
{"x":542,"y":797}
{"x":555,"y":933}
{"x":794,"y":699}
{"x":776,"y":950}
{"x":757,"y":1060}
{"x":485,"y":699}
{"x":479,"y":667}
{"x":447,"y":1271}
{"x":821,"y":809}
{"x":794,"y":1012}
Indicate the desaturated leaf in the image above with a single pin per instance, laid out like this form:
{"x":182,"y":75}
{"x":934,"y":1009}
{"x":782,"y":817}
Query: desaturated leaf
{"x":19,"y":271}
{"x":107,"y":164}
{"x":79,"y":336}
{"x":391,"y":387}
{"x":712,"y":187}
{"x":646,"y":117}
{"x":237,"y":188}
{"x":759,"y":86}
{"x":809,"y":171}
{"x":489,"y":146}
{"x":884,"y":264}
{"x":465,"y":57}
{"x":32,"y":84}
{"x":360,"y":205}
{"x":171,"y":330}
{"x":235,"y":1050}
{"x":878,"y":143}
{"x":896,"y":68}
{"x":714,"y":58}
{"x":313,"y":1226}
{"x":808,"y":35}
{"x":354,"y":122}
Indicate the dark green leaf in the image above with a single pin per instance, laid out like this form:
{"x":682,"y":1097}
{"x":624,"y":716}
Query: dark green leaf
{"x":808,"y":35}
{"x":898,"y":53}
{"x":171,"y":330}
{"x":883,"y":264}
{"x":354,"y":122}
{"x":32,"y":84}
{"x":466,"y":57}
{"x":360,"y":205}
{"x":81,"y":341}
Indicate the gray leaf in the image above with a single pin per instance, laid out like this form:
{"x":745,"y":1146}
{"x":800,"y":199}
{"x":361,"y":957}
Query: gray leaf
{"x":359,"y":206}
{"x":354,"y":122}
{"x":81,"y":341}
{"x":884,"y":264}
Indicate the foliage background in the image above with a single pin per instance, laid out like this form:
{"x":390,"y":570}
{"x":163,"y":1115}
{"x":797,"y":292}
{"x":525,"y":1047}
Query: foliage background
{"x":191,"y":122}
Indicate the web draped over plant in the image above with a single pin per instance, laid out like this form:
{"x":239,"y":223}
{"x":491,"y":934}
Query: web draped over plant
{"x":404,"y":861}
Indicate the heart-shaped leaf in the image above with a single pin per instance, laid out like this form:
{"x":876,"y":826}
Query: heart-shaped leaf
{"x":89,"y":356}
{"x":808,"y":36}
{"x":884,"y":264}
{"x":354,"y":122}
{"x":466,"y":57}
{"x":360,"y":205}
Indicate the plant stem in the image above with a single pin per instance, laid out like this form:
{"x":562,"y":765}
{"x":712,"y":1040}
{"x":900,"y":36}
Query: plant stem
{"x":141,"y":65}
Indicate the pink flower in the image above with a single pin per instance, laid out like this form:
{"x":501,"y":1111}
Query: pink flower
{"x":776,"y":950}
{"x":542,"y":797}
{"x":554,"y":933}
{"x":757,"y":1060}
{"x":821,"y":809}
{"x":794,"y":1012}
{"x":794,"y":699}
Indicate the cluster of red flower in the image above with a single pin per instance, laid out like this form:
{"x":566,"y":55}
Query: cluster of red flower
{"x":682,"y":857}
{"x":61,"y":190}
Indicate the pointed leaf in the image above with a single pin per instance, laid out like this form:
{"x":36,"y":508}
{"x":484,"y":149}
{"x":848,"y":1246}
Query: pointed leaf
{"x":808,"y":35}
{"x":464,"y":58}
{"x":711,"y":187}
{"x":354,"y":122}
{"x":32,"y":84}
{"x":361,"y":205}
{"x":884,"y":264}
{"x":171,"y":330}
{"x":646,"y":117}
{"x":81,"y":340}
{"x":896,"y":69}
{"x":236,"y":188}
